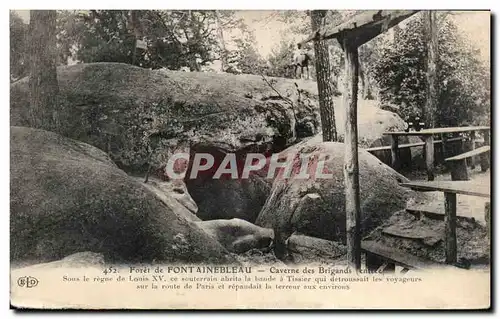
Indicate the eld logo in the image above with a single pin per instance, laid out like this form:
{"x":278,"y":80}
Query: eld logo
{"x":27,"y":282}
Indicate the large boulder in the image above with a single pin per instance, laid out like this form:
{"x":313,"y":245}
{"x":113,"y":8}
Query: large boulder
{"x":316,"y":206}
{"x":244,"y":198}
{"x":373,"y":122}
{"x":305,"y":249}
{"x":127,"y":111}
{"x":68,"y":197}
{"x":131,"y":112}
{"x":173,"y":193}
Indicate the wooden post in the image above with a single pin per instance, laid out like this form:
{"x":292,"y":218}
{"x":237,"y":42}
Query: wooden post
{"x":351,"y":165}
{"x":472,"y":146}
{"x":394,"y":152}
{"x":450,"y":224}
{"x":486,"y":135}
{"x":484,"y":157}
{"x":459,"y":171}
{"x":484,"y":161}
{"x":429,"y":156}
{"x":443,"y":146}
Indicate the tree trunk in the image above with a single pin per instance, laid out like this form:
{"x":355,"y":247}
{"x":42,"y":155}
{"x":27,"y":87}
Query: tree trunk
{"x":44,"y":89}
{"x":362,"y":79}
{"x":430,"y":109}
{"x":324,"y":80}
{"x":134,"y":30}
{"x":223,"y":56}
{"x":366,"y":91}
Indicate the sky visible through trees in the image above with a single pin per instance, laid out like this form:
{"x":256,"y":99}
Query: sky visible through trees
{"x":268,"y":29}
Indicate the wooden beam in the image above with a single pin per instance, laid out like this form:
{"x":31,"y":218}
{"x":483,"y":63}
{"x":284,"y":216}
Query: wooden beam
{"x":403,"y":146}
{"x":484,"y":158}
{"x":486,"y":135}
{"x":351,"y":164}
{"x":429,"y":156}
{"x":401,"y":258}
{"x":444,"y":139}
{"x":362,"y":27}
{"x":457,"y":187}
{"x":472,"y":146}
{"x":458,"y":170}
{"x":450,"y":227}
{"x":440,"y":130}
{"x":394,"y":152}
{"x":474,"y":152}
{"x":422,"y":210}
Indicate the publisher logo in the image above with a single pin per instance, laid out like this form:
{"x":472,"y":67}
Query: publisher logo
{"x":27,"y":282}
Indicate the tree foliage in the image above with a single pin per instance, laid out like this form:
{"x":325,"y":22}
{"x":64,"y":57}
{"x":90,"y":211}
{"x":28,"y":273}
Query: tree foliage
{"x":18,"y":47}
{"x":174,"y":38}
{"x":299,"y":26}
{"x":463,"y":80}
{"x":245,"y":55}
{"x":279,"y":59}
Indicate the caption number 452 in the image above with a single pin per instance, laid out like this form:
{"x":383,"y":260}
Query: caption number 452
{"x":110,"y":270}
